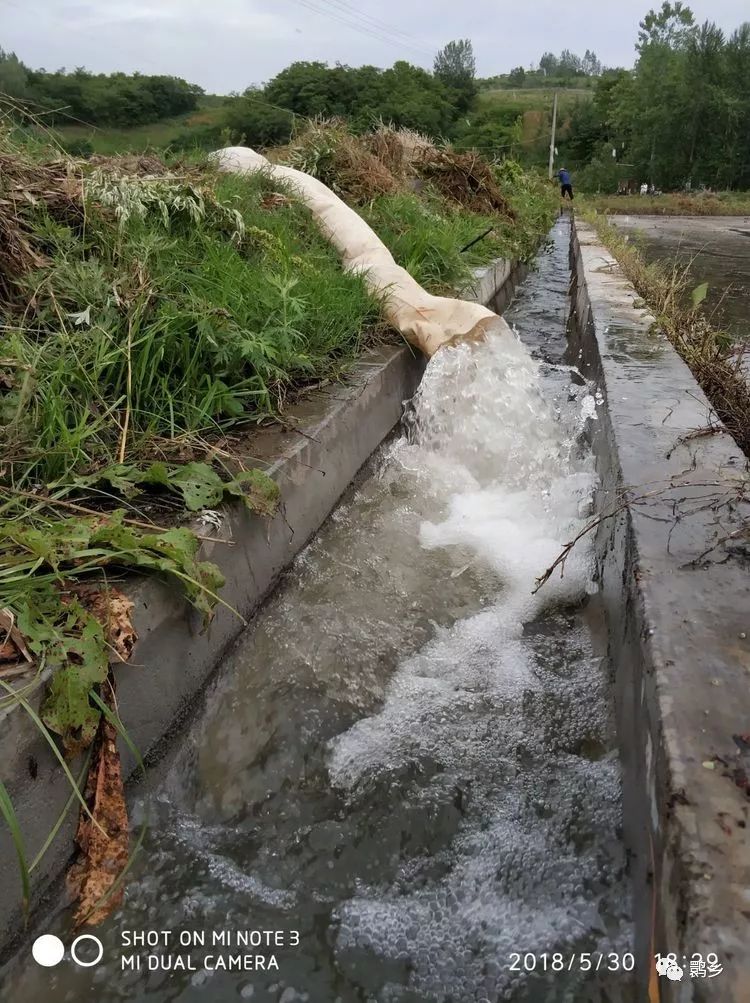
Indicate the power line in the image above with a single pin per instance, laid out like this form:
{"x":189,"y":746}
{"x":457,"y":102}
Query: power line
{"x":375,"y":22}
{"x":357,"y":25}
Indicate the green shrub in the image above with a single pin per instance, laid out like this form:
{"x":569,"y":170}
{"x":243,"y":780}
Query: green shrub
{"x":78,"y":147}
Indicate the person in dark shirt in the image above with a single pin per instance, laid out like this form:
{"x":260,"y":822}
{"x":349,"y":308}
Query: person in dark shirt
{"x":566,"y":188}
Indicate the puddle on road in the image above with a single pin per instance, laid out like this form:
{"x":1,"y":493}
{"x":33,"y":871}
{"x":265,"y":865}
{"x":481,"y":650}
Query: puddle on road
{"x":408,"y":758}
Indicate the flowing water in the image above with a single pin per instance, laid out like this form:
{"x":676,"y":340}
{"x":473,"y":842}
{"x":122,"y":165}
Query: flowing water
{"x":406,"y":767}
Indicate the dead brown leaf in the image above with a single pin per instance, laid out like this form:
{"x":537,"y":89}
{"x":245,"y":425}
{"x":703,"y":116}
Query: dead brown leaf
{"x":273,"y":200}
{"x":14,"y":655}
{"x":113,"y":610}
{"x":103,"y":848}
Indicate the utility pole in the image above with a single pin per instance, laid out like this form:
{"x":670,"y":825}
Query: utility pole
{"x":552,"y":140}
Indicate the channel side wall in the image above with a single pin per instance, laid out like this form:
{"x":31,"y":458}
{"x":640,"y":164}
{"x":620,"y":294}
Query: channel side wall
{"x":336,"y":433}
{"x":678,"y":616}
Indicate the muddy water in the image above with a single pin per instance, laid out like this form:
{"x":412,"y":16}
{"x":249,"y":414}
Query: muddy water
{"x":713,"y":249}
{"x":406,"y":767}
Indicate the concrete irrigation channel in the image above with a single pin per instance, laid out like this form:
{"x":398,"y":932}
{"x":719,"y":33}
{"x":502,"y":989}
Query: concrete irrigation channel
{"x":430,"y":779}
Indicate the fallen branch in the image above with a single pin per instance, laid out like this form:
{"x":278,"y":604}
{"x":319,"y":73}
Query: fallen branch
{"x":562,"y":557}
{"x":738,"y":495}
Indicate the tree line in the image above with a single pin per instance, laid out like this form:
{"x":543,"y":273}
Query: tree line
{"x":405,"y":95}
{"x":101,"y":99}
{"x":565,"y":70}
{"x":680,"y":118}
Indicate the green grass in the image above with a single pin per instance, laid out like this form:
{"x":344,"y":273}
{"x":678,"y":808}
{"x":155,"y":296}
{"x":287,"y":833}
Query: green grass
{"x":426,"y":236}
{"x":534,"y":98}
{"x":139,"y":139}
{"x":176,"y":308}
{"x":677,"y":204}
{"x":208,"y":328}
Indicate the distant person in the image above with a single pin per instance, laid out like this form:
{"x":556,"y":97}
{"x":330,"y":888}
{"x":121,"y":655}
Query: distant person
{"x":566,"y":188}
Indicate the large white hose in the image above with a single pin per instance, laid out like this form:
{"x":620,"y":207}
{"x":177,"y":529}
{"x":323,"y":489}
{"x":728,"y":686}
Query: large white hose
{"x":429,"y":322}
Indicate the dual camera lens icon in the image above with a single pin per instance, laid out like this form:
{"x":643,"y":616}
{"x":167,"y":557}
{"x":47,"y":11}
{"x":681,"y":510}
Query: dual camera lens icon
{"x":48,"y":950}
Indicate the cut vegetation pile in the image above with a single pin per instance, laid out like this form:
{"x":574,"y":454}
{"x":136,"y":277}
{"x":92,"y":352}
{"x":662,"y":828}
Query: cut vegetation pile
{"x":148,"y":310}
{"x":25,"y":185}
{"x":427,"y":202}
{"x":464,"y":178}
{"x":361,"y":168}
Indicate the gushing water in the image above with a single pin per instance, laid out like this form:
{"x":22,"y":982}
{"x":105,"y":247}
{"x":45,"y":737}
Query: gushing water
{"x":485,"y":708}
{"x":408,"y":757}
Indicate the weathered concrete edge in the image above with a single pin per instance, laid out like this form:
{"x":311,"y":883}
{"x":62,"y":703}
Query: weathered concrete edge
{"x":677,"y":631}
{"x":489,"y":281}
{"x":174,"y":659}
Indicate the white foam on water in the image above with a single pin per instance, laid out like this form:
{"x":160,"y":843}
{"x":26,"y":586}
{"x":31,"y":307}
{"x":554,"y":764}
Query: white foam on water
{"x":513,"y":493}
{"x":477,"y":705}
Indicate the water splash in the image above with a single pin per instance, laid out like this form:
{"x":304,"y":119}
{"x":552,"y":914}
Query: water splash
{"x":515,"y":727}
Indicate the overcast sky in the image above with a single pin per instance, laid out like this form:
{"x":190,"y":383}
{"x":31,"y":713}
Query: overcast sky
{"x":225,"y":45}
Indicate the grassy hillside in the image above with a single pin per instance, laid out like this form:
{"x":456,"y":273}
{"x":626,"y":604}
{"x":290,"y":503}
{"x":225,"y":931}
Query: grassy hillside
{"x":155,"y":135}
{"x":532,"y":104}
{"x":535,"y":98}
{"x":516,"y":122}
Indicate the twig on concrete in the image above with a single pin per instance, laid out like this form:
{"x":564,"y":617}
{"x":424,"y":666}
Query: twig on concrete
{"x":715,"y":502}
{"x":743,"y":530}
{"x":698,"y":433}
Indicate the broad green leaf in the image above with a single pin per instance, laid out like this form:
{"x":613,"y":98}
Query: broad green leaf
{"x":699,"y":294}
{"x":260,"y":493}
{"x":67,"y":709}
{"x":199,"y":484}
{"x":157,"y":473}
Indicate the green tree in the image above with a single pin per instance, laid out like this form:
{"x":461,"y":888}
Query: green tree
{"x":590,"y":65}
{"x":309,"y":89}
{"x":14,"y":77}
{"x":671,"y":26}
{"x":654,"y":111}
{"x":586,"y":134}
{"x":253,"y":119}
{"x":494,"y":130}
{"x":456,"y":68}
{"x":735,"y":169}
{"x":548,"y":64}
{"x":569,"y":65}
{"x":116,"y":99}
{"x":683,"y":113}
{"x":404,"y":94}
